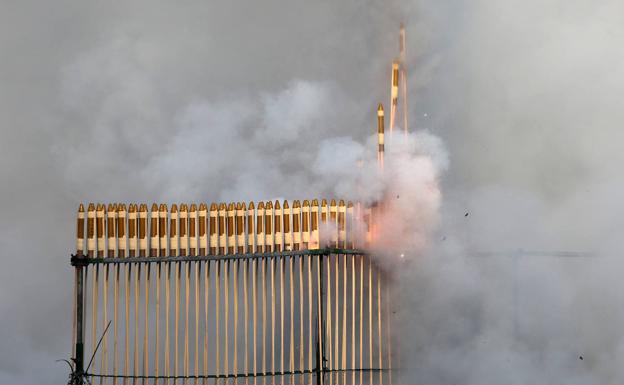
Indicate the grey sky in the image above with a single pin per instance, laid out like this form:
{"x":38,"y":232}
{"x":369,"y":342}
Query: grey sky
{"x":194,"y":101}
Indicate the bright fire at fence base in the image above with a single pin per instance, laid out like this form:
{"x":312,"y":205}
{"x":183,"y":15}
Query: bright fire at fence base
{"x":249,"y":318}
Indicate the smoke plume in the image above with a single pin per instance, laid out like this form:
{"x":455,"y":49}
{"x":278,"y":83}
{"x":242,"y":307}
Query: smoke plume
{"x":235,"y":101}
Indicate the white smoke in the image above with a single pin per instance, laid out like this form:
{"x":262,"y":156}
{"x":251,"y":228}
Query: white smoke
{"x":232,"y":101}
{"x":409,"y":207}
{"x":406,"y":191}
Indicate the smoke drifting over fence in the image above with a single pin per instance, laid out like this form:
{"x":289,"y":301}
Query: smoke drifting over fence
{"x":111,"y":103}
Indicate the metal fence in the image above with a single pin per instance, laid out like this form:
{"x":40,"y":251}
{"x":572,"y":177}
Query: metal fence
{"x":239,"y":309}
{"x":248,"y":318}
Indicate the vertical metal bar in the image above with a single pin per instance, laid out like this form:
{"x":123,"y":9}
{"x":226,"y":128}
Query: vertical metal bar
{"x":127,"y":286}
{"x":193,"y":218}
{"x":157,"y":321}
{"x":329,"y":321}
{"x":254,"y":313}
{"x":100,"y":253}
{"x":206,"y":305}
{"x":197,"y":338}
{"x":370,"y":318}
{"x":102,"y":233}
{"x":241,"y":247}
{"x":192,"y":251}
{"x":217,"y":319}
{"x":121,"y":236}
{"x":328,"y":215}
{"x":184,"y":250}
{"x":263,"y":279}
{"x":80,"y":226}
{"x":294,"y":240}
{"x":115,"y":316}
{"x":173,"y":251}
{"x":309,"y":227}
{"x":167,"y":320}
{"x":320,"y":365}
{"x":235,"y":284}
{"x":213,"y":250}
{"x":143,"y":253}
{"x":342,"y":243}
{"x":273,"y":271}
{"x":137,"y":280}
{"x":203,"y":249}
{"x":388,"y":339}
{"x":379,"y":341}
{"x":348,"y":229}
{"x":361,"y":301}
{"x":302,"y":349}
{"x":310,"y":316}
{"x":292,"y":319}
{"x":79,"y":347}
{"x":246,"y":319}
{"x":337,"y":360}
{"x":176,"y":321}
{"x":277,"y":226}
{"x":226,"y":321}
{"x":265,"y":262}
{"x":187,"y":289}
{"x":269,"y":240}
{"x":316,"y":239}
{"x":251,"y":247}
{"x":282,"y":263}
{"x":301,"y":228}
{"x":222,"y":251}
{"x":104,"y":352}
{"x":154,"y":248}
{"x":90,"y":253}
{"x":353,"y":303}
{"x":344,"y":318}
{"x":235,"y":288}
{"x":132,"y":247}
{"x":161,"y":246}
{"x":111,"y":224}
{"x":146,"y":323}
{"x":226,"y":287}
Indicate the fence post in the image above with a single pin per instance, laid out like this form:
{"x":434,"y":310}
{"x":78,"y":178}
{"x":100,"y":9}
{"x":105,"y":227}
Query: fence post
{"x":79,"y":348}
{"x":321,"y":325}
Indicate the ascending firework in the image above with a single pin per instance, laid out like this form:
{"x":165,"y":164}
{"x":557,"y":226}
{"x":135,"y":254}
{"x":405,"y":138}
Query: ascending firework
{"x":380,"y":136}
{"x":398,"y":84}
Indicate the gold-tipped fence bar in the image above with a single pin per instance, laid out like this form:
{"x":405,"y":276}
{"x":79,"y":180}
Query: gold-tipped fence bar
{"x":230,"y":293}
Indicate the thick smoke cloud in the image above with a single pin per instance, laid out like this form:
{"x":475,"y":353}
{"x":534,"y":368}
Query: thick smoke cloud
{"x":188,"y":102}
{"x":525,"y":98}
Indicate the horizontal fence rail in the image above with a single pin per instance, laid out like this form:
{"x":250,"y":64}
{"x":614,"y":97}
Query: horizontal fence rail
{"x":302,"y":316}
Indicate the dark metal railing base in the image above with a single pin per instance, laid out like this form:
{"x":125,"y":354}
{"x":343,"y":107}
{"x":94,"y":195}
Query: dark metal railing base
{"x":84,"y":261}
